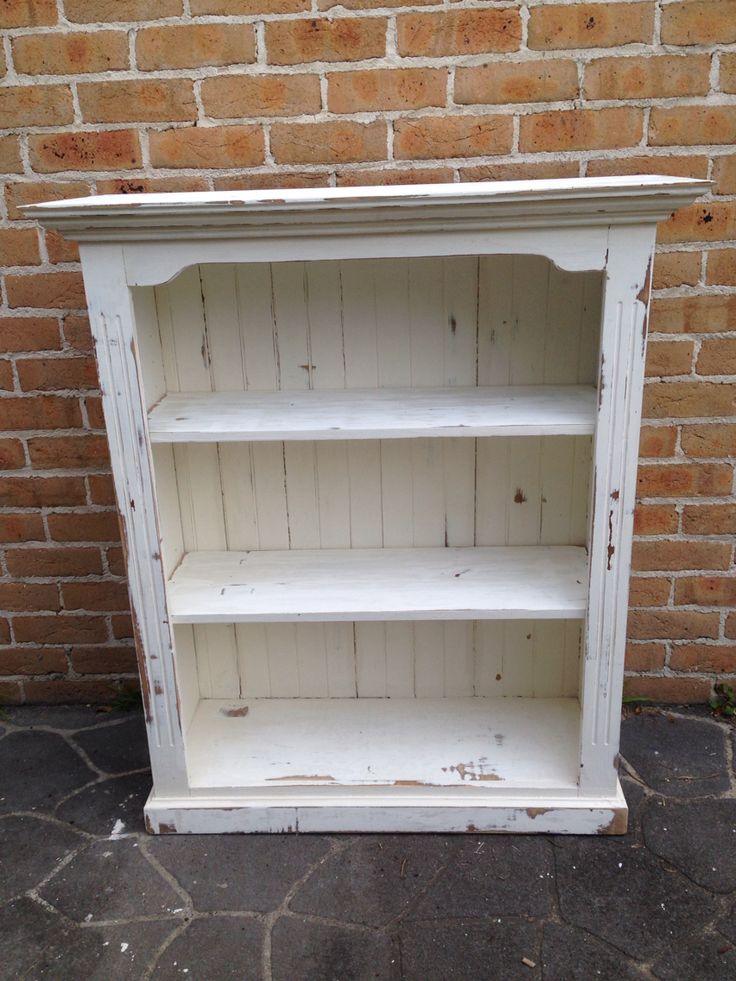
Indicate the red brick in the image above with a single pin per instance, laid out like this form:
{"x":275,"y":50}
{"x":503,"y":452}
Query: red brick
{"x":590,"y":25}
{"x":4,"y":630}
{"x":95,"y":596}
{"x":649,"y":591}
{"x":520,"y":171}
{"x":7,"y":383}
{"x":277,"y":179}
{"x":137,"y":185}
{"x":33,"y":661}
{"x":21,"y":527}
{"x":645,"y":657}
{"x":672,"y":625}
{"x":683,"y":399}
{"x":68,"y":452}
{"x":657,"y":441}
{"x":706,"y":590}
{"x":708,"y":222}
{"x":56,"y":289}
{"x":717,"y":658}
{"x":95,"y":415}
{"x":28,"y":13}
{"x":60,"y":249}
{"x":208,"y":146}
{"x":116,"y":149}
{"x":709,"y":519}
{"x":333,"y":142}
{"x":19,"y":247}
{"x":386,"y":89}
{"x":721,"y":269}
{"x":57,"y":374}
{"x":35,"y":105}
{"x":11,"y":454}
{"x":716,"y":440}
{"x":92,"y":11}
{"x":669,"y":358}
{"x":10,"y":162}
{"x":647,"y":77}
{"x":103,"y":660}
{"x":192,"y":45}
{"x":728,"y":71}
{"x":29,"y":334}
{"x":54,"y":562}
{"x":32,"y":192}
{"x":59,"y":629}
{"x":655,"y":519}
{"x":680,"y":691}
{"x":660,"y":556}
{"x":724,"y":175}
{"x":452,"y":136}
{"x":122,"y":627}
{"x":115,"y":561}
{"x":684,"y":479}
{"x":676,"y":269}
{"x":693,"y":314}
{"x":70,"y":54}
{"x":74,"y":691}
{"x":101,"y":490}
{"x":28,"y":596}
{"x":536,"y":81}
{"x":717,"y":356}
{"x":235,"y":96}
{"x":611,"y":166}
{"x":41,"y":412}
{"x":689,"y":125}
{"x":77,"y":333}
{"x":250,"y":7}
{"x":581,"y":129}
{"x":11,"y":693}
{"x":699,"y":22}
{"x":38,"y":492}
{"x":96,"y":526}
{"x":292,"y":42}
{"x":146,"y":100}
{"x":427,"y":175}
{"x":731,"y":626}
{"x":458,"y":32}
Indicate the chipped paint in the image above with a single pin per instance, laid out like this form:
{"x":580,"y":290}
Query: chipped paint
{"x":611,"y":548}
{"x":618,"y":824}
{"x":304,"y":778}
{"x":166,"y":828}
{"x":235,"y":713}
{"x":534,"y":812}
{"x":519,"y":496}
{"x":473,"y":771}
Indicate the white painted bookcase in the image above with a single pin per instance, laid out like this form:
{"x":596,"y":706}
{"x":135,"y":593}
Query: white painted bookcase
{"x":375,"y":456}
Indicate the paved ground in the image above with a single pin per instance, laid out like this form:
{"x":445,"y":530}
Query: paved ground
{"x":85,"y":894}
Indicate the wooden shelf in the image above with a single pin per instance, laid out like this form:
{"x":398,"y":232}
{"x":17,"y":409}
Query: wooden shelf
{"x":540,"y":582}
{"x":476,"y":745}
{"x":374,"y":414}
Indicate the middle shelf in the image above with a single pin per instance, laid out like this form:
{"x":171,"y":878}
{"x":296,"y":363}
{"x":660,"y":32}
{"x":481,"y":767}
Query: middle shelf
{"x":508,"y":410}
{"x":482,"y":583}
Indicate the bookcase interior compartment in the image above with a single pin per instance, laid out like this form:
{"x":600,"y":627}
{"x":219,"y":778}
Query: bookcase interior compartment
{"x":375,"y":456}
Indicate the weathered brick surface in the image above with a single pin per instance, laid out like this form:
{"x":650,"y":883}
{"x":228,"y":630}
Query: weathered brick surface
{"x":123,"y":96}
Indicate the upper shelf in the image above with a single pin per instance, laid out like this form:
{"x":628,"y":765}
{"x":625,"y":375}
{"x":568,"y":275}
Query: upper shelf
{"x":374,"y":414}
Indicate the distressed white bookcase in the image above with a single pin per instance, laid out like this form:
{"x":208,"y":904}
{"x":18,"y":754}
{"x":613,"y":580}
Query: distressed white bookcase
{"x":375,"y":455}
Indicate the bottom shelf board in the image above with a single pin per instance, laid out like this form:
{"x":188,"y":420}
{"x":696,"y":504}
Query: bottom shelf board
{"x":470,"y":745}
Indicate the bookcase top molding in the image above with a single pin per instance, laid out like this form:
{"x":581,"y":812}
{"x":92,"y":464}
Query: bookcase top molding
{"x":489,"y":205}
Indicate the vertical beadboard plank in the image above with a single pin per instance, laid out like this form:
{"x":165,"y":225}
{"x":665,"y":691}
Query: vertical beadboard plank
{"x":459,"y":657}
{"x":393,"y":343}
{"x":148,"y":344}
{"x":311,"y":654}
{"x":370,"y":659}
{"x":366,"y":503}
{"x":427,"y":488}
{"x":399,"y":640}
{"x":523,"y":490}
{"x":572,"y":659}
{"x":187,"y":679}
{"x":359,"y":323}
{"x":167,"y":502}
{"x":582,"y":469}
{"x":302,"y":494}
{"x":224,"y":340}
{"x":217,"y":660}
{"x":427,"y":322}
{"x":531,"y":288}
{"x":518,"y":657}
{"x":283,"y":664}
{"x":460,"y":277}
{"x":458,"y":467}
{"x":489,"y":647}
{"x":292,"y":327}
{"x":200,"y":496}
{"x":269,"y":480}
{"x":254,"y":296}
{"x":549,"y":658}
{"x":557,"y":457}
{"x":333,"y":479}
{"x":590,"y":328}
{"x":562,"y":336}
{"x":491,"y":503}
{"x":253,"y":664}
{"x":397,"y":493}
{"x":324,"y":313}
{"x":429,"y":659}
{"x":182,"y":321}
{"x":495,"y":319}
{"x":238,"y":495}
{"x":341,"y":670}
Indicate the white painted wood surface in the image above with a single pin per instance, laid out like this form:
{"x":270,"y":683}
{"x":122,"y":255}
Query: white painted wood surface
{"x":379,"y":584}
{"x":374,"y":414}
{"x":426,"y":289}
{"x":482,"y":744}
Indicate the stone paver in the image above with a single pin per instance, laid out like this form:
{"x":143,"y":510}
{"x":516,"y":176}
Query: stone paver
{"x":85,"y":893}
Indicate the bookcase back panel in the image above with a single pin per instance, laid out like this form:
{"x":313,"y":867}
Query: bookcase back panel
{"x":397,"y":659}
{"x":369,"y":323}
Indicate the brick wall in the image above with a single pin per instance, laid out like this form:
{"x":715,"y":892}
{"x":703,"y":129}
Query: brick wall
{"x":128,"y":95}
